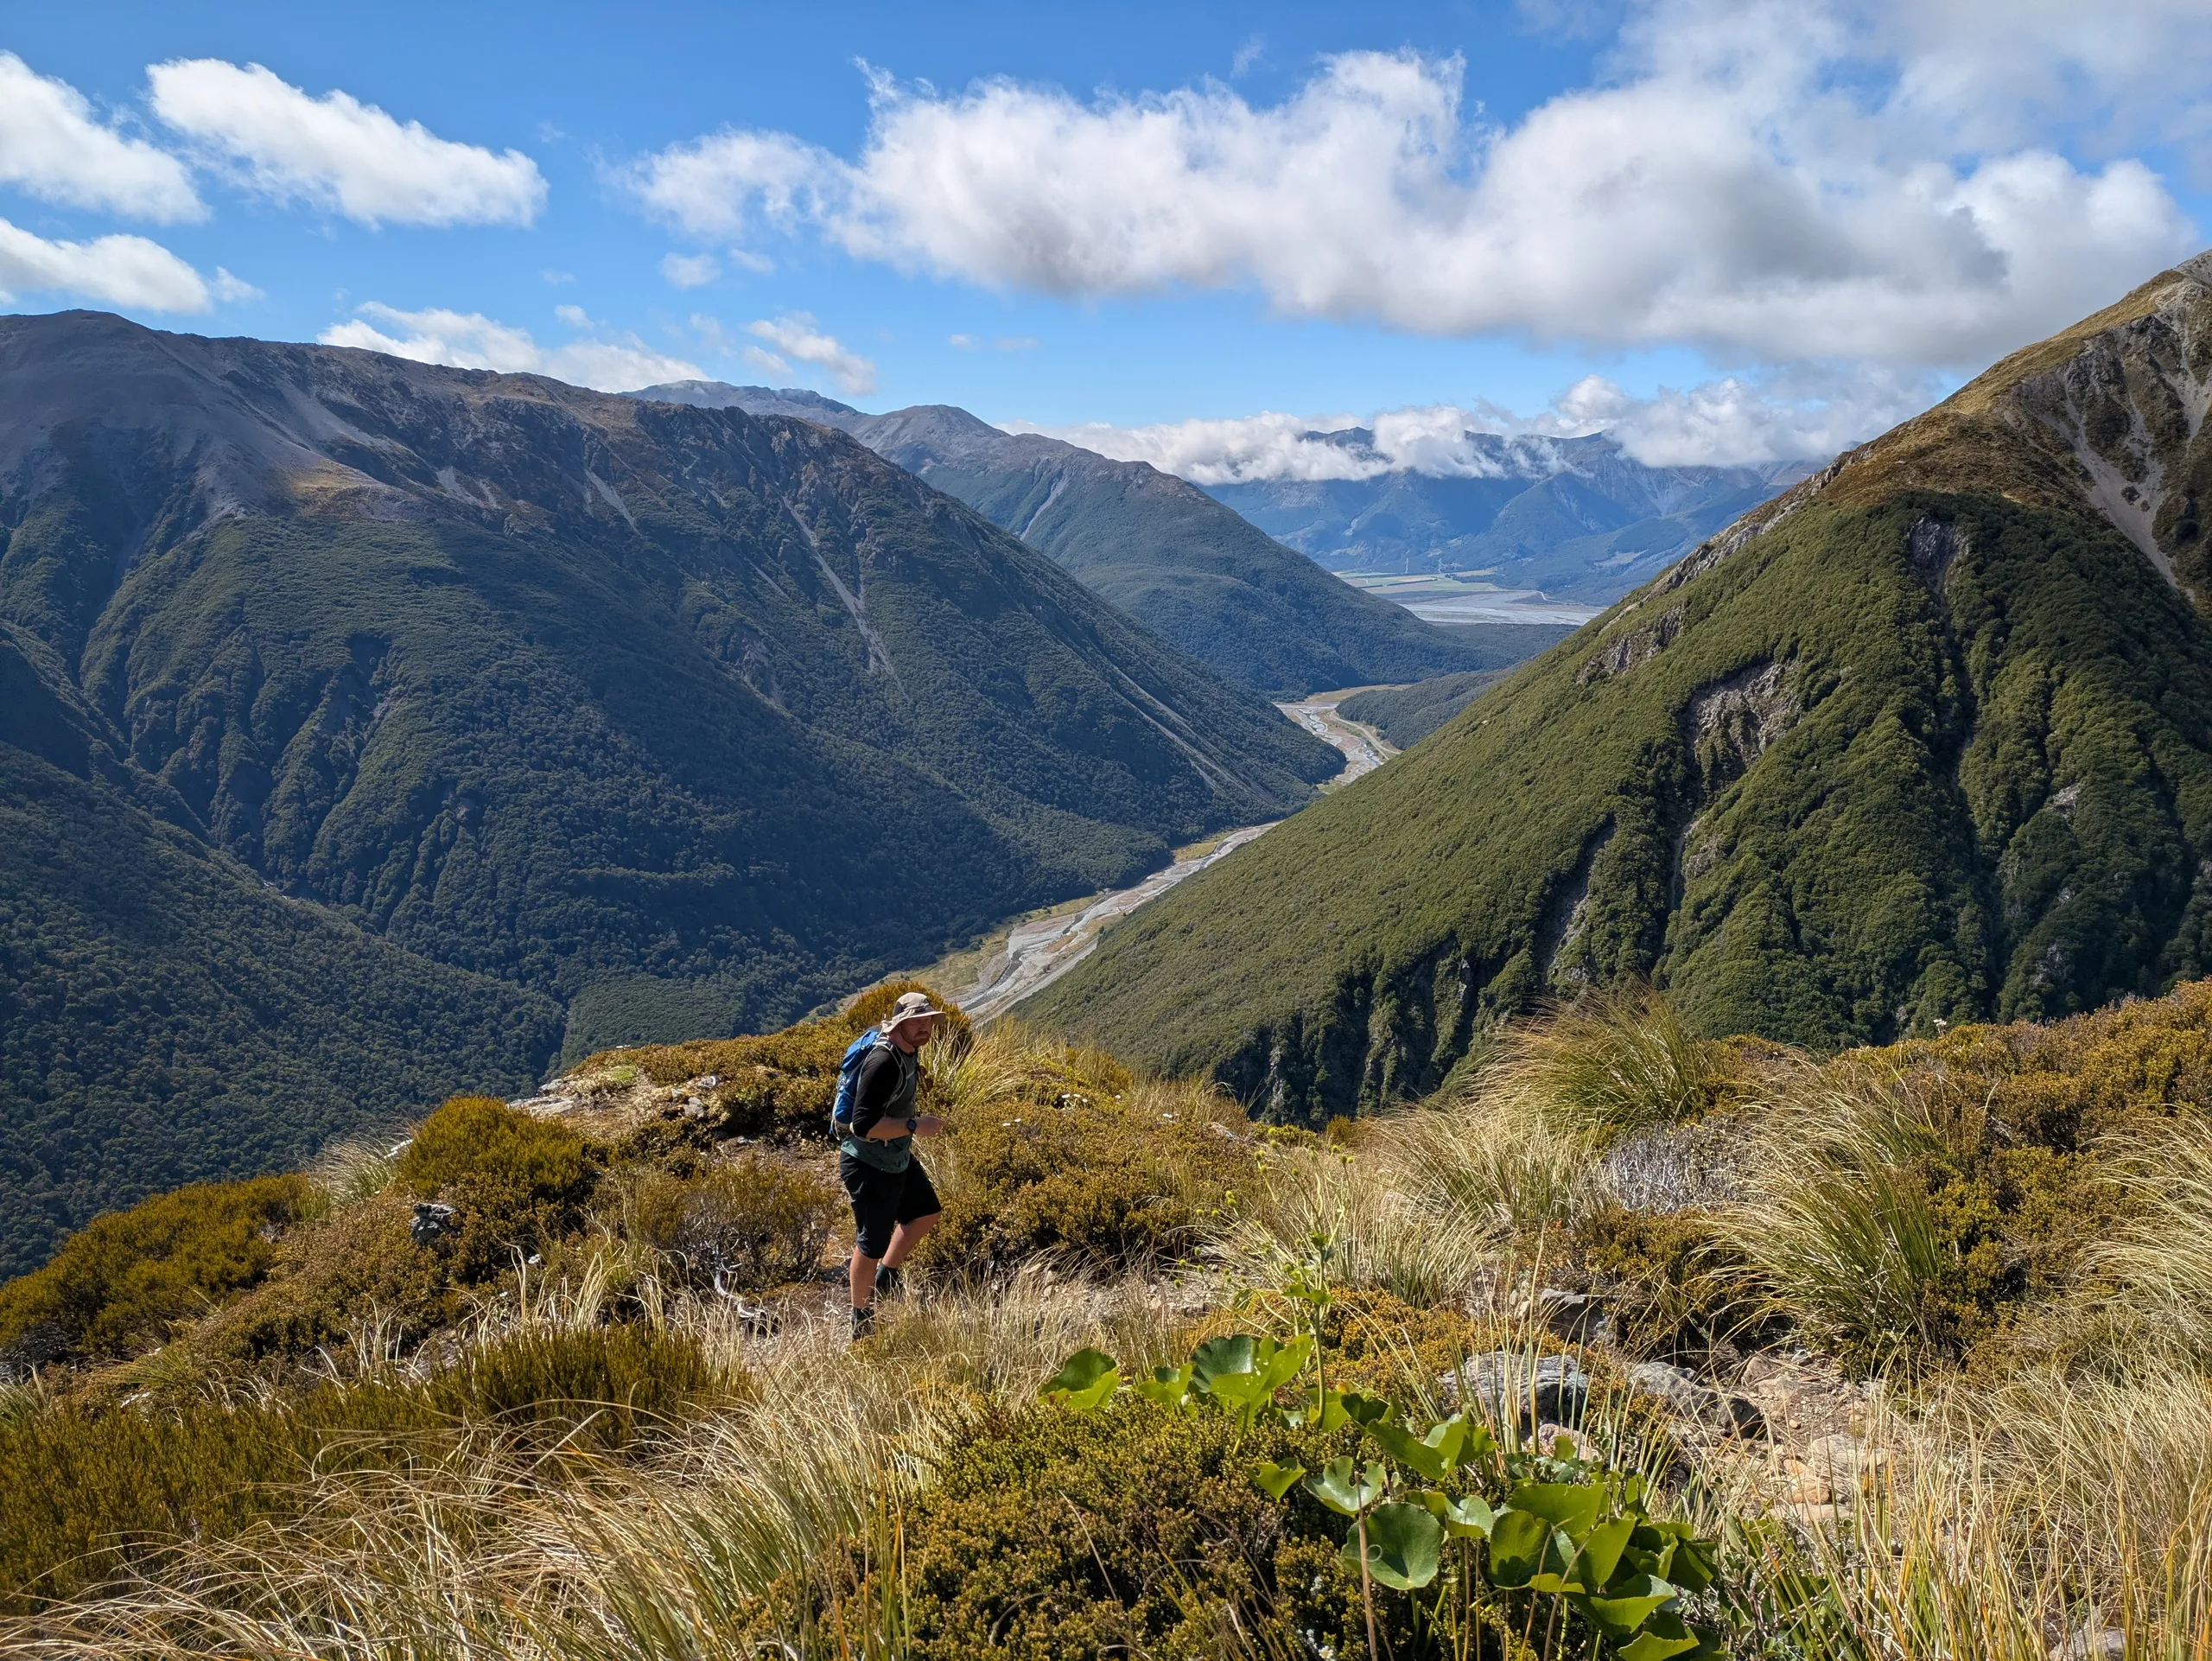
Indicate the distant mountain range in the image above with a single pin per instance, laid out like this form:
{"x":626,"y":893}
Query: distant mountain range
{"x":370,"y":729}
{"x":1575,"y":518}
{"x":1172,"y":556}
{"x":1927,"y":738}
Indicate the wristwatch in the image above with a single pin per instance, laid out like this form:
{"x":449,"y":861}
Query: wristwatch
{"x":912,"y":1123}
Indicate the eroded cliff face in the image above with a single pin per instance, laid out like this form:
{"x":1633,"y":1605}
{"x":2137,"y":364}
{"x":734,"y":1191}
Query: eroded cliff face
{"x":2105,"y":419}
{"x":1928,"y":737}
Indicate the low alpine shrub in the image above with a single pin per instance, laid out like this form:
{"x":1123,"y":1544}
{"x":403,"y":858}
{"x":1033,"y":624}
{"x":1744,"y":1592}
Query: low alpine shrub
{"x":120,"y":1284}
{"x":1127,"y":1531}
{"x":517,"y":1182}
{"x":358,"y":1270}
{"x":743,"y":1226}
{"x":1112,"y":1181}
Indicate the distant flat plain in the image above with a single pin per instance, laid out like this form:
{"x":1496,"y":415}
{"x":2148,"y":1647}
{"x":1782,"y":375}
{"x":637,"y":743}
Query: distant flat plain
{"x":1450,"y":597}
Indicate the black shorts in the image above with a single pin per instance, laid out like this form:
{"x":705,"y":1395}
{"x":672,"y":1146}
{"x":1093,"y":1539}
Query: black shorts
{"x":882,"y":1199}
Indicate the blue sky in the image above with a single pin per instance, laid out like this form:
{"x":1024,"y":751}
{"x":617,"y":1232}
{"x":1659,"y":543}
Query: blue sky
{"x":1728,"y":231}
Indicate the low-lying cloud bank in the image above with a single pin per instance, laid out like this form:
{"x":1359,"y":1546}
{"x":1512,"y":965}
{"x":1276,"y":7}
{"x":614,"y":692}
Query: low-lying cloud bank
{"x":1807,"y":416}
{"x":609,"y":360}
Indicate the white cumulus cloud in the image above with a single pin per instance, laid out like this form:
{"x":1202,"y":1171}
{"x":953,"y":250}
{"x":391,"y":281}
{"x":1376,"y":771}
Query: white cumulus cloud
{"x":115,"y":270}
{"x":472,"y":341}
{"x":1801,"y":414}
{"x":336,"y":153}
{"x":796,"y":338}
{"x":1773,"y":178}
{"x":52,"y":146}
{"x":690,"y":270}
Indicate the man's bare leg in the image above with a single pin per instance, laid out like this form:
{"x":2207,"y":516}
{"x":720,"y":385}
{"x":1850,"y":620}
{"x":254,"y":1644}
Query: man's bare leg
{"x":859,"y":1276}
{"x":907,"y":1237}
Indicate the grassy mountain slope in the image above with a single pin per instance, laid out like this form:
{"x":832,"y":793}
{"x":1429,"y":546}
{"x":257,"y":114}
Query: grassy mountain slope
{"x":1928,"y":737}
{"x":1165,"y":551}
{"x":674,"y":719}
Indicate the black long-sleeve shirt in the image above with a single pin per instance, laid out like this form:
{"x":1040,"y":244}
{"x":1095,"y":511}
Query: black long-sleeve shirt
{"x":884,"y":1091}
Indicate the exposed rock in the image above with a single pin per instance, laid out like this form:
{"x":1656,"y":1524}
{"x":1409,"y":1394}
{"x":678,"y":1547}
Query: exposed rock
{"x":2101,"y":1644}
{"x":1624,"y":651}
{"x":432,"y":1222}
{"x":1930,"y":547}
{"x":1511,"y":1381}
{"x":1689,"y":1397}
{"x":1732,"y":721}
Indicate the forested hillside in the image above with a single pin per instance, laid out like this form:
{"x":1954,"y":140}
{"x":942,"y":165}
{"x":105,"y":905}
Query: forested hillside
{"x":1165,"y":551}
{"x":526,"y":702}
{"x":1405,"y":715}
{"x":1896,"y":750}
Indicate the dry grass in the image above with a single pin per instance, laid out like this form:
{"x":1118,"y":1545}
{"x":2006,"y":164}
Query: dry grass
{"x":2011,"y":1524}
{"x":2163,"y":1250}
{"x":1613,"y":1061}
{"x":734,"y":1541}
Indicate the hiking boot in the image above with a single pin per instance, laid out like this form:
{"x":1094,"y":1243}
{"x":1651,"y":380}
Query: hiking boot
{"x":886,"y":1280}
{"x":863,"y":1322}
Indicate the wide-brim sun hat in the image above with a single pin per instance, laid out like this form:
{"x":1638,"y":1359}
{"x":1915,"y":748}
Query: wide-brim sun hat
{"x":912,"y":1006}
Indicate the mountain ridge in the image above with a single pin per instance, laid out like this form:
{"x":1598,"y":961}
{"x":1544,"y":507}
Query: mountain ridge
{"x":1161,"y":549}
{"x":672,"y":720}
{"x":1927,"y":735}
{"x":1574,"y":518}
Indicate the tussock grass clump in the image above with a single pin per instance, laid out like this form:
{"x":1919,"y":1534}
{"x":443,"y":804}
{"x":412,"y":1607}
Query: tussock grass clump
{"x":2160,"y":1249}
{"x":86,"y":1493}
{"x":119,"y":1285}
{"x":1615,"y":1060}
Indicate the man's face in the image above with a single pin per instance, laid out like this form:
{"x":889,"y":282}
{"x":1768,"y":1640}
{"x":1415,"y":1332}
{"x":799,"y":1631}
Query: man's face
{"x":914,"y":1032}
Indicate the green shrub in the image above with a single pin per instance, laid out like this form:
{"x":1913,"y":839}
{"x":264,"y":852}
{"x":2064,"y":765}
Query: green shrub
{"x":85,"y":1494}
{"x":1127,"y":1531}
{"x":479,"y":1139}
{"x":739,"y":1227}
{"x":121,"y":1284}
{"x":1110,"y":1182}
{"x":1668,"y":1278}
{"x":357,"y":1268}
{"x":518,"y":1182}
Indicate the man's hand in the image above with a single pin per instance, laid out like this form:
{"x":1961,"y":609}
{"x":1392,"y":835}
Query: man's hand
{"x":929,"y":1124}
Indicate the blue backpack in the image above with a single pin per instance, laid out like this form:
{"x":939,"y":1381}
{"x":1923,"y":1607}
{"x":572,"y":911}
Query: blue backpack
{"x":848,"y":1080}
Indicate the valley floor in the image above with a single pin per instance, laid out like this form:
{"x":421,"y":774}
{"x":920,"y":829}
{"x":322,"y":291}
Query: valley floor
{"x":1022,"y":957}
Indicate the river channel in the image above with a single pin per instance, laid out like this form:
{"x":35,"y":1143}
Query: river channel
{"x":1039,"y":951}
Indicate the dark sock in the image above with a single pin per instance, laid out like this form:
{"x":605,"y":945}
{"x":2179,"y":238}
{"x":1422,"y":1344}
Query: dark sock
{"x":863,"y":1321}
{"x":886,"y":1279}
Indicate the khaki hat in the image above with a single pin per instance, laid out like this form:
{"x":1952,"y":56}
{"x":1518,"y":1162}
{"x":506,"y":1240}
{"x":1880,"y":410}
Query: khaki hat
{"x":912,"y":1006}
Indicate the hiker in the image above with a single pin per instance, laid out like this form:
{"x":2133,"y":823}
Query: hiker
{"x":893,"y":1204}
